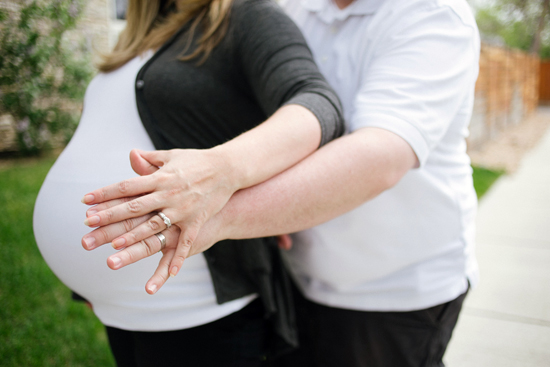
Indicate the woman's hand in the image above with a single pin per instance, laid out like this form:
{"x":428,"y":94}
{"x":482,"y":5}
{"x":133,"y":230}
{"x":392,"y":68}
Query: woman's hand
{"x":187,"y":186}
{"x":209,"y":235}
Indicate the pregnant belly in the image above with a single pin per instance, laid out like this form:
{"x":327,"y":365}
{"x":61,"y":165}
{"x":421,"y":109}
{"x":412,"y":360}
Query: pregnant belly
{"x":118,"y":297}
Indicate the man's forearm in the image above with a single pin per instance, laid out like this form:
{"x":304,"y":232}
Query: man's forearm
{"x":335,"y":179}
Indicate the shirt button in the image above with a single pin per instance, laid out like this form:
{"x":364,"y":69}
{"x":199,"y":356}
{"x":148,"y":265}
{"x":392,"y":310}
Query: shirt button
{"x":333,"y":30}
{"x":140,"y":84}
{"x":324,"y":59}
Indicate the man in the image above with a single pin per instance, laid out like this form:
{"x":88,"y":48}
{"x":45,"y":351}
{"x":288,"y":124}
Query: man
{"x":388,"y":258}
{"x":385,"y":280}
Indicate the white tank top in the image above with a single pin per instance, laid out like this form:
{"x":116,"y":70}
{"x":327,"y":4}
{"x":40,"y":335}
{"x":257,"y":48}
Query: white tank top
{"x":97,"y":156}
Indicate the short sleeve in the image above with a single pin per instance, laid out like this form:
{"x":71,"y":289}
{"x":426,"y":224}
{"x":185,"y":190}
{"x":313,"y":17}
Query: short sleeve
{"x":279,"y":66}
{"x":420,"y":73}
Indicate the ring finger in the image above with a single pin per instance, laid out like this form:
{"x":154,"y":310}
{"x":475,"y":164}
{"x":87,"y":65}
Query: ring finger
{"x":145,"y":248}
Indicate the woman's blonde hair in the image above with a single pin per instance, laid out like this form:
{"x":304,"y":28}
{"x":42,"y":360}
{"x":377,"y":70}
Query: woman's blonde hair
{"x":150,"y":23}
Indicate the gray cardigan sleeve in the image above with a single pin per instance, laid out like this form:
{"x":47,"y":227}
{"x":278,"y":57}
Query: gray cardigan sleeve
{"x":279,"y":65}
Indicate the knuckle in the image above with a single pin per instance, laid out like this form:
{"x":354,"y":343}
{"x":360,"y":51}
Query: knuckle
{"x":108,"y":215}
{"x":103,"y":234}
{"x":132,"y":237}
{"x":132,"y":258}
{"x":162,"y":274}
{"x":123,"y":186}
{"x":187,"y":243}
{"x":128,"y":224}
{"x":162,"y":178}
{"x":102,"y":193}
{"x":173,"y":192}
{"x":154,"y":224}
{"x":202,"y":218}
{"x":149,"y":246}
{"x":134,"y":206}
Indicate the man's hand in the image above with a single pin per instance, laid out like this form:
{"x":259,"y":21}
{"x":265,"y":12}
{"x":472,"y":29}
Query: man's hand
{"x":148,"y":246}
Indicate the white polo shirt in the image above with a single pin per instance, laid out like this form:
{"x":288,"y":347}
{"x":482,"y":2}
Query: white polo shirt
{"x":407,"y":66}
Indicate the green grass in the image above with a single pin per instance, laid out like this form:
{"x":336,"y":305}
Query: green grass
{"x":39,"y":323}
{"x":483,"y":179}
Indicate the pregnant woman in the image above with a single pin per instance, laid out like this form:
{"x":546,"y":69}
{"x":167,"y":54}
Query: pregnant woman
{"x":235,"y":84}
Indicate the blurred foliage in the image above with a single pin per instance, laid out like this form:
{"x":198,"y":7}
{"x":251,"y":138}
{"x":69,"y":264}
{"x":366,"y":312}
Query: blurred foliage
{"x":484,"y":178}
{"x":518,"y":23}
{"x":43,"y":75}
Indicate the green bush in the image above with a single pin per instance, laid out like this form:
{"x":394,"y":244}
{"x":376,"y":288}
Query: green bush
{"x":42,"y":76}
{"x":484,"y":178}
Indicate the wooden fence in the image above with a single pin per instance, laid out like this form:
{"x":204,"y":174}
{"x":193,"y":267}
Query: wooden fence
{"x":506,"y":91}
{"x":544,"y":84}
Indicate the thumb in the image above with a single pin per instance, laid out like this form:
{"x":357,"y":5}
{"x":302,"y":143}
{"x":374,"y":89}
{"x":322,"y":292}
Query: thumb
{"x":155,"y":157}
{"x":141,"y":165}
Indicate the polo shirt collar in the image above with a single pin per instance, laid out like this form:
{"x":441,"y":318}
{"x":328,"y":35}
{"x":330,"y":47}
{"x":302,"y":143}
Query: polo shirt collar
{"x":328,"y":12}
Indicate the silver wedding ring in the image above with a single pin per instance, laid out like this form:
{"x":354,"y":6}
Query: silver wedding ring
{"x":162,"y":240}
{"x":165,"y":219}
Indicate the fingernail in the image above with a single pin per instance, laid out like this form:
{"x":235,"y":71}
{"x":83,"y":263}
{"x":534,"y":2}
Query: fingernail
{"x":173,"y":271}
{"x":119,"y":242}
{"x":153,"y":288}
{"x":88,"y":198}
{"x":116,"y":261}
{"x":92,"y":220}
{"x":91,"y":212}
{"x":90,"y":242}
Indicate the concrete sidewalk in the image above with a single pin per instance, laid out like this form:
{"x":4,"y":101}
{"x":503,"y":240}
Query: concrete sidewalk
{"x":506,"y":319}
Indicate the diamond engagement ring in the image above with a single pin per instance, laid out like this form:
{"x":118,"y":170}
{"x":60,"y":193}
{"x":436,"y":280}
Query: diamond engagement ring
{"x":162,"y":240}
{"x":165,"y":219}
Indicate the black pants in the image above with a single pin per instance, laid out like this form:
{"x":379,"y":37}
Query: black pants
{"x":233,"y":341}
{"x":333,"y":337}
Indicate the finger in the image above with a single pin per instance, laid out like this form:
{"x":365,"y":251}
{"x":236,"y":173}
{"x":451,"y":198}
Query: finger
{"x":140,"y":165}
{"x":284,"y":242}
{"x":130,"y":255}
{"x":131,"y":187}
{"x":161,"y":275}
{"x":146,"y":229}
{"x":142,"y":249}
{"x":185,"y":242}
{"x":108,"y":204}
{"x":106,"y":234}
{"x":156,"y":157}
{"x":131,"y":209}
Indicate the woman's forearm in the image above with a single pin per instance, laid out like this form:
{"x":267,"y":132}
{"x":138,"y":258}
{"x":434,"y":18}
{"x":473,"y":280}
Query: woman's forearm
{"x":284,"y":139}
